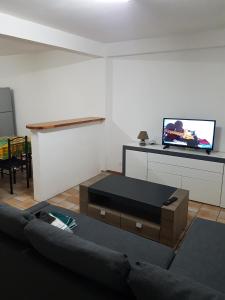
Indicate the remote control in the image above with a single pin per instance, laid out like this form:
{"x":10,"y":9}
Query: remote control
{"x":170,"y":200}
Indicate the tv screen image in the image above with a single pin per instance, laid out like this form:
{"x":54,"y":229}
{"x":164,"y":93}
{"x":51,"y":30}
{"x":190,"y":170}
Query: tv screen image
{"x":189,"y":133}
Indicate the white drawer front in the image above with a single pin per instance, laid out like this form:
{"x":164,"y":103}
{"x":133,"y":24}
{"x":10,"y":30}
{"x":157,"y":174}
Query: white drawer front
{"x":165,"y":178}
{"x":186,"y":162}
{"x":202,"y":190}
{"x":204,"y":175}
{"x":182,"y":171}
{"x":165,"y":168}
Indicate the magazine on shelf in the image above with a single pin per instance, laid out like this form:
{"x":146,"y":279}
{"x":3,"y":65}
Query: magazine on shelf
{"x":57,"y":219}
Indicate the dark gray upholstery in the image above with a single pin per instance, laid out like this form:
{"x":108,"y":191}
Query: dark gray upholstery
{"x":196,"y":273}
{"x":13,"y":221}
{"x":27,"y":275}
{"x":37,"y":207}
{"x":134,"y":246}
{"x":152,"y":282}
{"x":202,"y":254}
{"x":86,"y":258}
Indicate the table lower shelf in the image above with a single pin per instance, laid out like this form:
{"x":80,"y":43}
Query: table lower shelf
{"x":172,"y":224}
{"x":127,"y":222}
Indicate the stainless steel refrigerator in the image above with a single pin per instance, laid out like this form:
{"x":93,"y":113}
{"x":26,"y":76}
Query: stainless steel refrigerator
{"x":7,"y":121}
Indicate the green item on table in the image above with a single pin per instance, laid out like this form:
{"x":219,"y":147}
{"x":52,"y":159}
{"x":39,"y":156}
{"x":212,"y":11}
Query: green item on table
{"x":66,"y":220}
{"x":18,"y":147}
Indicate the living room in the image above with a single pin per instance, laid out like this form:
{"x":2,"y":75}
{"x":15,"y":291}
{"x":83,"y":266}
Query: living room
{"x":86,"y":77}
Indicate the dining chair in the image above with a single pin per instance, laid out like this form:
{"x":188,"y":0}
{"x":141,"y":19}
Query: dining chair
{"x":16,"y":147}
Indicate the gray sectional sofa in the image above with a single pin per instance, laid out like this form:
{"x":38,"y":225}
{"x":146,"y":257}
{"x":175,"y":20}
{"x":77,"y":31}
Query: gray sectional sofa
{"x":99,"y":261}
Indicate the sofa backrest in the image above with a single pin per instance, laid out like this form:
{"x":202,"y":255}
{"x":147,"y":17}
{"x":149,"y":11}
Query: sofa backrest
{"x":152,"y":282}
{"x":83,"y":257}
{"x":13,"y":221}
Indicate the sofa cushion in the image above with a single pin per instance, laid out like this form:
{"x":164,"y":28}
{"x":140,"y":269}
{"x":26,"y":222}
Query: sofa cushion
{"x":86,"y":258}
{"x":28,"y":275}
{"x":13,"y":221}
{"x":37,"y":207}
{"x":152,"y":282}
{"x":135,"y":247}
{"x":202,"y":254}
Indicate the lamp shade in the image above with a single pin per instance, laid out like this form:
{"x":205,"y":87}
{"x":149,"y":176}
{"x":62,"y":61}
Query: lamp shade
{"x":143,"y":135}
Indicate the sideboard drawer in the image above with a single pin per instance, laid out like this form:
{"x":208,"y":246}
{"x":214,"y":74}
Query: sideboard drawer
{"x":206,"y":191}
{"x":164,"y":168}
{"x":186,"y":162}
{"x":141,"y":227}
{"x":154,"y":167}
{"x":104,"y":214}
{"x":165,"y":178}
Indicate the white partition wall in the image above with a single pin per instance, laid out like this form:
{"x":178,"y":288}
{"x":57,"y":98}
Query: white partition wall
{"x":58,"y":154}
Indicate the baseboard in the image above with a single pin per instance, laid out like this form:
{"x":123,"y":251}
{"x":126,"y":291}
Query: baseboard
{"x":113,"y":172}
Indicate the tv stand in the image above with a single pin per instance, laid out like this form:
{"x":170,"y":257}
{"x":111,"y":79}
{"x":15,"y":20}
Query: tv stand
{"x":207,"y":150}
{"x":200,"y":173}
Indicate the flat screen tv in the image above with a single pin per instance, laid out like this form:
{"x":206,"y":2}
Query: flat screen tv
{"x":190,"y":133}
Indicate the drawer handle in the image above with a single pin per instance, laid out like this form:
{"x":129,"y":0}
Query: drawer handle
{"x":139,"y":225}
{"x":102,"y":212}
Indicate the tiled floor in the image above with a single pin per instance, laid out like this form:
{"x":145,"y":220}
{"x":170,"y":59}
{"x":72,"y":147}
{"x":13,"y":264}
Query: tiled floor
{"x":23,"y":199}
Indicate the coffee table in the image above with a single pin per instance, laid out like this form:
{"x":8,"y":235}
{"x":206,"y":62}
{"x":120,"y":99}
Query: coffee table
{"x":136,"y":205}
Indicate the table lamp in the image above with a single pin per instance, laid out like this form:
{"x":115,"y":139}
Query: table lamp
{"x":142,"y":136}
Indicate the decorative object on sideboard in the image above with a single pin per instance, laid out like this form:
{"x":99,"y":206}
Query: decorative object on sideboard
{"x":142,"y":136}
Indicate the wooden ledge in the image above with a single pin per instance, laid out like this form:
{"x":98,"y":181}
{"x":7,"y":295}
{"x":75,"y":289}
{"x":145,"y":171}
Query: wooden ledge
{"x":64,"y":123}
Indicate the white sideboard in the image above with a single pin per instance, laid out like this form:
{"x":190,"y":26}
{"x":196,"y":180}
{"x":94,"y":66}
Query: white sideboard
{"x":200,"y":173}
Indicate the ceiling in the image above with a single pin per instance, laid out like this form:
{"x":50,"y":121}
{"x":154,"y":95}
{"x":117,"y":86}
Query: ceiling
{"x":14,"y":46}
{"x":108,"y":22}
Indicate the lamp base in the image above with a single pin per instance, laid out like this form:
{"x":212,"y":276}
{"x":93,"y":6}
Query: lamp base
{"x":142,"y":143}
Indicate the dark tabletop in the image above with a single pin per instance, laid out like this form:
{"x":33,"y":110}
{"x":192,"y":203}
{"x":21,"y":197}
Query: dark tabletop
{"x":134,"y":189}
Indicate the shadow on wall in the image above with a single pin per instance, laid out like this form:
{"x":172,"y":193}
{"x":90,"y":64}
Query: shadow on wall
{"x":18,"y":65}
{"x":218,"y":138}
{"x":114,"y":152}
{"x":117,"y":138}
{"x":217,"y":55}
{"x":56,"y":59}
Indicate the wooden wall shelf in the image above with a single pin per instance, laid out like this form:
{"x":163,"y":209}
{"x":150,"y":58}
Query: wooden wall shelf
{"x":64,"y":123}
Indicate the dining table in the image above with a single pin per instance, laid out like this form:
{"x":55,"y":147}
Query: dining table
{"x":18,"y":146}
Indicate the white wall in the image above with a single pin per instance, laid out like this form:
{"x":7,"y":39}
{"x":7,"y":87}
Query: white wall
{"x":177,"y":42}
{"x":136,"y":92}
{"x":58,"y":85}
{"x":65,"y":157}
{"x":146,"y":88}
{"x":54,"y":85}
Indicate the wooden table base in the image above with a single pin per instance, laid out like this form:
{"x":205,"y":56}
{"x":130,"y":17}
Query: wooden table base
{"x":168,"y":232}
